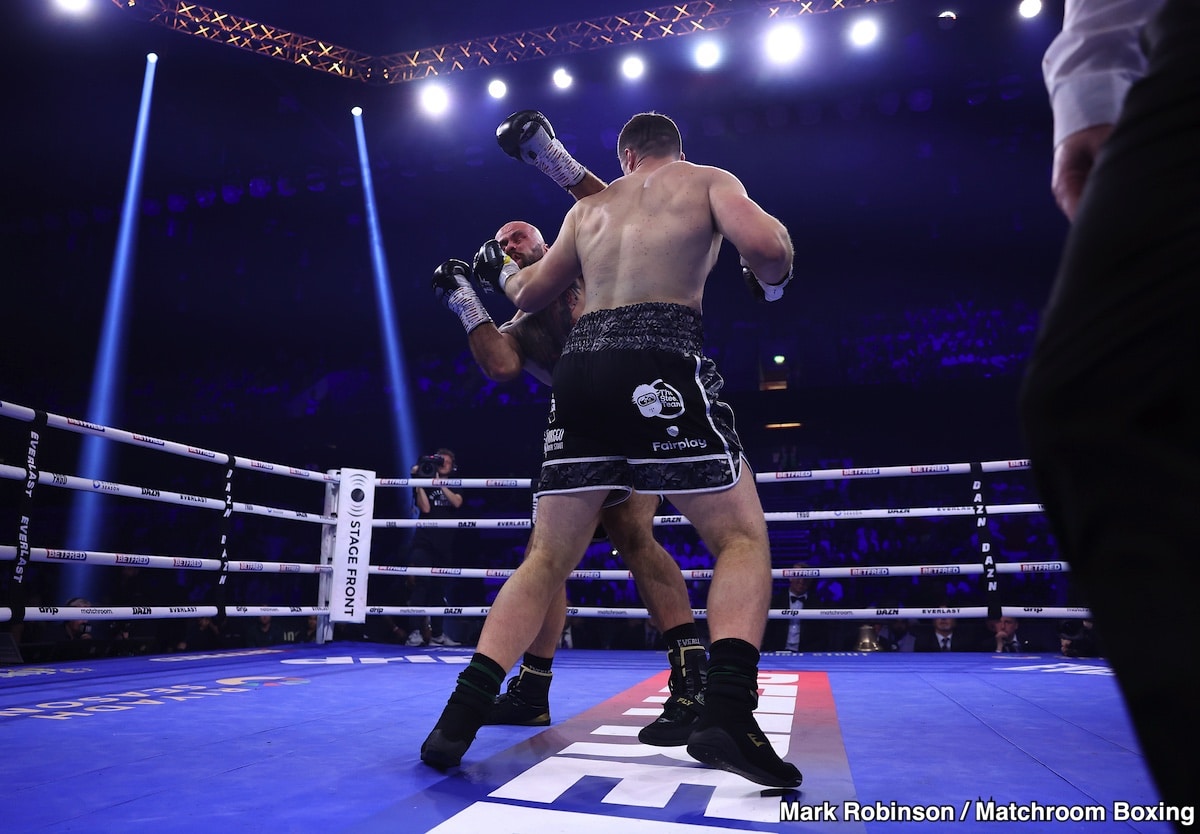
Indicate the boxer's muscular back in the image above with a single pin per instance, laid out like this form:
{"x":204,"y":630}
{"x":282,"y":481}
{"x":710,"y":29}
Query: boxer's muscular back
{"x":649,"y":236}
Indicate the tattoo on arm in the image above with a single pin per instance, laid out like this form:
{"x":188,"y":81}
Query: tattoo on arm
{"x":543,"y":334}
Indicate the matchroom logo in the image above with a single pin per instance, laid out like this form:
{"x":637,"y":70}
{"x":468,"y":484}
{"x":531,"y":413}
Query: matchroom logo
{"x":591,"y":775}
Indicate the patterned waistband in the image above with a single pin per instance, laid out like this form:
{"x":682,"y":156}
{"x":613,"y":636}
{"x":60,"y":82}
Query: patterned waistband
{"x":651,"y":325}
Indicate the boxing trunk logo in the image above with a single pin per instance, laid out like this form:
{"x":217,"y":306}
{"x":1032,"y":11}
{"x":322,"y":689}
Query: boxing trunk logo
{"x":658,"y":399}
{"x":552,"y":441}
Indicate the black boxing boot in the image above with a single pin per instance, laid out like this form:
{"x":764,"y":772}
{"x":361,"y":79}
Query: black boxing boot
{"x":526,"y":702}
{"x":683,"y":709}
{"x":728,"y":736}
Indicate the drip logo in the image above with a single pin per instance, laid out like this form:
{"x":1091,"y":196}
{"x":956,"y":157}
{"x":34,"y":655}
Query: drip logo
{"x":658,"y":399}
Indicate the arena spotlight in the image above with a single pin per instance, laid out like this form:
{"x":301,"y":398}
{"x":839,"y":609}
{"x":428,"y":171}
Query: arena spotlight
{"x":633,"y":67}
{"x":435,"y":101}
{"x":75,"y":7}
{"x":403,"y":417}
{"x":864,"y":32}
{"x":947,"y":19}
{"x":1030,"y":8}
{"x":497,"y":89}
{"x":356,"y":112}
{"x":562,"y":79}
{"x":784,"y":43}
{"x":88,"y":519}
{"x":707,"y":54}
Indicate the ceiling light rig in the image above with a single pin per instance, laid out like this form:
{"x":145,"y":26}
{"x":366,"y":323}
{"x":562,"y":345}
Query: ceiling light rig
{"x":683,"y":18}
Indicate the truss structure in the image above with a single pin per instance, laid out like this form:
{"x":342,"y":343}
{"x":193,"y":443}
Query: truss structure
{"x":678,"y":19}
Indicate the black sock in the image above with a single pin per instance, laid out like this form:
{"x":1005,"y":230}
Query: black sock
{"x":477,"y":688}
{"x":728,"y":735}
{"x":732,"y":676}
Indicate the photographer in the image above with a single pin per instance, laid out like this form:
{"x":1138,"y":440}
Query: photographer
{"x":432,"y":546}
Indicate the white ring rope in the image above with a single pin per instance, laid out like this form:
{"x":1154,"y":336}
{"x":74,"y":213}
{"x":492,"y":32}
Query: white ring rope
{"x":794,"y":476}
{"x":20,"y":412}
{"x":974,"y":569}
{"x":677,"y":520}
{"x":14,"y":473}
{"x":613,"y":612}
{"x":91,"y":557}
{"x":51,"y":555}
{"x":48,"y":613}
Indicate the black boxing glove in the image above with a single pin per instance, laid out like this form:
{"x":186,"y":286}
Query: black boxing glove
{"x":452,"y":286}
{"x":493,"y":267}
{"x":528,"y":136}
{"x":762,"y":291}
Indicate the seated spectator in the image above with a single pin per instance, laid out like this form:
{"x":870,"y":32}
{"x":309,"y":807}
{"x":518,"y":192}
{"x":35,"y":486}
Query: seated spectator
{"x":263,"y":631}
{"x":795,"y":634}
{"x":944,"y":636}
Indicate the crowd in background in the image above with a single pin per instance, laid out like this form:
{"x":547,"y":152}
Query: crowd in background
{"x":908,"y":346}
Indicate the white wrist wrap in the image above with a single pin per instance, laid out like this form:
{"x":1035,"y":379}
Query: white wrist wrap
{"x":774,"y":292}
{"x":557,"y":163}
{"x":465,"y":304}
{"x":507,"y":271}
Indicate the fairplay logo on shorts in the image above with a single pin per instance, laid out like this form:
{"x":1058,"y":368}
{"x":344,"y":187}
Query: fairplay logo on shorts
{"x":658,"y":399}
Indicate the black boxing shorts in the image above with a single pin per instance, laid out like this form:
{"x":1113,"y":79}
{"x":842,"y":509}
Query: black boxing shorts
{"x":636,"y":406}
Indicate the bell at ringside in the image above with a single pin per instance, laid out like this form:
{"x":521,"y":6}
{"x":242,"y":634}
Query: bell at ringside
{"x":867,"y":641}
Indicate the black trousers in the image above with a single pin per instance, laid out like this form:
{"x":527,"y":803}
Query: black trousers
{"x":1111,"y":399}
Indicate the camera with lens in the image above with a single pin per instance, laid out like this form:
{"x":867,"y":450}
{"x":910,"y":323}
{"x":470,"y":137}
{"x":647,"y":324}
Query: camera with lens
{"x":427,"y":467}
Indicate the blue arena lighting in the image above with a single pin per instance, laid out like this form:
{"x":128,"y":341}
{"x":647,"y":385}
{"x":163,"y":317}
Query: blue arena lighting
{"x":864,"y":32}
{"x":562,"y":79}
{"x":435,"y":99}
{"x":402,"y":414}
{"x":633,"y":67}
{"x":707,"y":54}
{"x":84,"y":527}
{"x":784,"y":44}
{"x":74,"y":7}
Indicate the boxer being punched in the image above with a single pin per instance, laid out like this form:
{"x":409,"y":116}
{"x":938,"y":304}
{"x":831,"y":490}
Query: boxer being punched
{"x":533,"y":343}
{"x":638,"y":406}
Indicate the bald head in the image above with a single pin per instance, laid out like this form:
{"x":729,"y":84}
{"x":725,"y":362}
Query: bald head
{"x":522,"y":242}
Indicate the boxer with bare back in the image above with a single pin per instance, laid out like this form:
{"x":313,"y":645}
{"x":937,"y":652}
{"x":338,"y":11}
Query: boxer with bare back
{"x":533,"y":342}
{"x":636,"y":407}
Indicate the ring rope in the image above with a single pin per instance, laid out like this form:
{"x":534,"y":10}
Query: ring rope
{"x":612,"y":612}
{"x":49,"y":613}
{"x":52,"y":613}
{"x":972,"y":569}
{"x":20,"y":412}
{"x":33,"y":476}
{"x":15,"y":473}
{"x":792,"y":476}
{"x":92,"y":557}
{"x":675,"y":520}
